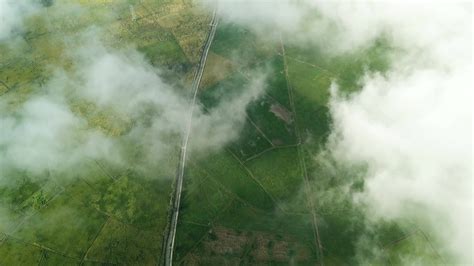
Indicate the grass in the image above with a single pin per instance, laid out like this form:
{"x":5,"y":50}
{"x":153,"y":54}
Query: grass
{"x":277,"y":85}
{"x":240,"y":45}
{"x":309,"y":82}
{"x":242,"y":216}
{"x":117,"y":214}
{"x":137,"y":201}
{"x":203,"y":197}
{"x":119,"y":243}
{"x":50,"y":258}
{"x":14,"y":252}
{"x":66,"y":225}
{"x":217,"y":68}
{"x":188,"y":237}
{"x":346,"y":69}
{"x":280,"y":132}
{"x":221,"y":245}
{"x":226,"y":171}
{"x":415,"y":249}
{"x":14,"y":195}
{"x":231,"y":86}
{"x":251,"y":142}
{"x":216,"y":196}
{"x":278,"y":172}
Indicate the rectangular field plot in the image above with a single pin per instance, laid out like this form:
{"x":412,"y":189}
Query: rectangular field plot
{"x":346,"y":70}
{"x":221,"y":246}
{"x":217,"y":68}
{"x":232,"y":177}
{"x":225,"y":89}
{"x":274,"y":120}
{"x":118,"y":243}
{"x":240,"y":45}
{"x":23,"y":199}
{"x":203,"y":198}
{"x":308,"y":81}
{"x":251,"y":142}
{"x":415,"y":249}
{"x":188,"y":237}
{"x":66,"y":225}
{"x":227,"y":171}
{"x":278,"y":171}
{"x":277,"y":83}
{"x":242,"y":216}
{"x":14,"y":252}
{"x":137,"y":201}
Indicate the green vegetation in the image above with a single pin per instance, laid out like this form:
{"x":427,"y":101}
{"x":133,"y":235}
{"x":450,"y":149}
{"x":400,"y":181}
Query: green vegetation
{"x":415,"y":247}
{"x":222,"y":215}
{"x":240,"y":45}
{"x":278,"y":171}
{"x":250,"y":143}
{"x":98,"y":212}
{"x":265,"y":198}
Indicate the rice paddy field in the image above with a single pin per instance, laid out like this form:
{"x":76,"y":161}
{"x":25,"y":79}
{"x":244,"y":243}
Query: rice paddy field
{"x":99,"y":213}
{"x":261,"y":199}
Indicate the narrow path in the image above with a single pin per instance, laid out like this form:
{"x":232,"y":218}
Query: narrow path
{"x":170,"y":238}
{"x":255,"y":156}
{"x":84,"y":257}
{"x":302,"y":160}
{"x":260,"y":131}
{"x":327,"y":72}
{"x":251,"y":175}
{"x":39,"y":246}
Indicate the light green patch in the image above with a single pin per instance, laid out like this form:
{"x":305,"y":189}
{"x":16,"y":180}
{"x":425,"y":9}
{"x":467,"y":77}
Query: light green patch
{"x":14,"y":252}
{"x":118,"y":243}
{"x":414,"y":250}
{"x":137,"y":201}
{"x":278,"y":171}
{"x":251,"y":142}
{"x":66,"y":225}
{"x":227,"y":171}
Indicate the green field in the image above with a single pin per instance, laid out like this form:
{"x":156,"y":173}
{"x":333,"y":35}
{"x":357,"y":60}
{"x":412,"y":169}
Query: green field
{"x":267,"y":197}
{"x":220,"y":223}
{"x":98,"y":212}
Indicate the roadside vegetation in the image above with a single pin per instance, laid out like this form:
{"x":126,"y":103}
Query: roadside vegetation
{"x":270,"y":197}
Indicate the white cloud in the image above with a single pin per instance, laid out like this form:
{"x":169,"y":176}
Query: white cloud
{"x":412,"y":126}
{"x":12,"y":13}
{"x":45,"y":134}
{"x":224,"y":122}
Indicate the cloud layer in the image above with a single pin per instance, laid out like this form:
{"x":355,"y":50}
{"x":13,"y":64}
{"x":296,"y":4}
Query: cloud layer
{"x":410,"y":126}
{"x":56,"y":129}
{"x":12,"y":14}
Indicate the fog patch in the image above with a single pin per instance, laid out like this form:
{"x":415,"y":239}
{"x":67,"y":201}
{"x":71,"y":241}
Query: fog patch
{"x":409,"y":127}
{"x":412,"y":125}
{"x":50,"y":131}
{"x":12,"y":14}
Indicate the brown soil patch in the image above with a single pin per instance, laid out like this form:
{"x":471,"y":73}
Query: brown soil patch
{"x":232,"y":247}
{"x":217,"y":68}
{"x":282,"y":113}
{"x":190,"y":27}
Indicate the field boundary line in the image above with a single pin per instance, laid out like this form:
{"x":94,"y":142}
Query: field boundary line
{"x":301,"y":158}
{"x":84,"y":257}
{"x":254,"y":179}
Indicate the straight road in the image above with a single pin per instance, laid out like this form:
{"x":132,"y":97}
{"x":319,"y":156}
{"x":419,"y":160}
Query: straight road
{"x":170,"y":239}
